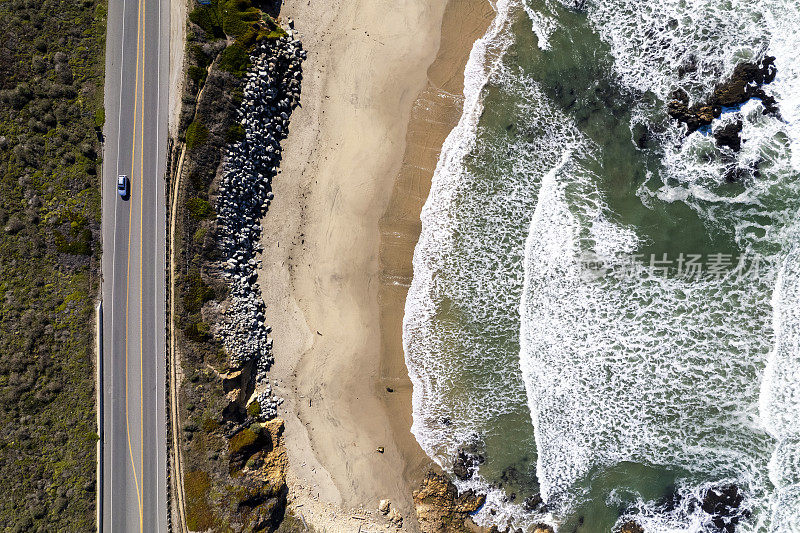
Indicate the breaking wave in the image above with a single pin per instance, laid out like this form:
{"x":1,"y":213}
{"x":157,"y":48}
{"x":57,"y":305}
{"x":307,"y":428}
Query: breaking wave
{"x":506,"y":322}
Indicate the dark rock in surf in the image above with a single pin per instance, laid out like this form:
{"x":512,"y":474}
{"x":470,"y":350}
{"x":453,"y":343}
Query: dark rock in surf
{"x":730,"y":136}
{"x":723,"y":505}
{"x":688,"y":66}
{"x":631,"y":527}
{"x":696,"y":116}
{"x":745,"y":83}
{"x":467,"y":461}
{"x":533,"y":503}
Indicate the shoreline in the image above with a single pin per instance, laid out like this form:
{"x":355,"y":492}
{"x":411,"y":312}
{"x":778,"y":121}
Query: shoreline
{"x":435,"y":113}
{"x":339,"y":239}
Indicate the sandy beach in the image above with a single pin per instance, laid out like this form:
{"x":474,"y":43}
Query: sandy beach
{"x":338,"y":242}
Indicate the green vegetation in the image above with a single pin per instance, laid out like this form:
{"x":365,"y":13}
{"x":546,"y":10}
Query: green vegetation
{"x":199,"y":514}
{"x":197,"y":74}
{"x":244,"y":439}
{"x":238,"y":21}
{"x":199,"y":208}
{"x":197,"y":293}
{"x":99,"y":117}
{"x":234,"y":134}
{"x":78,"y":240}
{"x":254,"y":409}
{"x":235,"y":60}
{"x":51,"y":102}
{"x":196,"y":134}
{"x":219,"y":39}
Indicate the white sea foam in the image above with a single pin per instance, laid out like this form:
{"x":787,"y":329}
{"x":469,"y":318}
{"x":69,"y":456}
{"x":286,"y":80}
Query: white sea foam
{"x":661,"y":371}
{"x":652,"y":370}
{"x":780,"y":396}
{"x":431,"y":376}
{"x":664,"y":372}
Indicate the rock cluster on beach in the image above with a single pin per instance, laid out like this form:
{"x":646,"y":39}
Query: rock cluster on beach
{"x":440,"y":508}
{"x":271,"y":92}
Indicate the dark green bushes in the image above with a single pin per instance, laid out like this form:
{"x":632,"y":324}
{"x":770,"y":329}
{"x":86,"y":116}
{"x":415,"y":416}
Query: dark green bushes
{"x":196,"y":134}
{"x":197,"y":293}
{"x":234,"y":59}
{"x":51,"y":101}
{"x":199,"y":208}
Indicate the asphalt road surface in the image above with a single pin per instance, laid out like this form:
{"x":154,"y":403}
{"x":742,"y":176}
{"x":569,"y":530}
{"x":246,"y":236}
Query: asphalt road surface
{"x":134,"y":493}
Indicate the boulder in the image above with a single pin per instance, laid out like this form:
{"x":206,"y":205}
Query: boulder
{"x":723,"y":505}
{"x":440,"y":508}
{"x":468,"y":459}
{"x":744,"y":83}
{"x":730,"y":136}
{"x":631,"y":527}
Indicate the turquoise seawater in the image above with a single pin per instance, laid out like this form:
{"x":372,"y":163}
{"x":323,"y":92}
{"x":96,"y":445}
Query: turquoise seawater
{"x":596,"y":309}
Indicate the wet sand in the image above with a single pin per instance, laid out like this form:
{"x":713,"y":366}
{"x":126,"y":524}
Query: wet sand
{"x":380,"y":94}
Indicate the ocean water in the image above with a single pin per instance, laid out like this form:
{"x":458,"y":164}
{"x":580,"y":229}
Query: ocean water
{"x":596,"y":310}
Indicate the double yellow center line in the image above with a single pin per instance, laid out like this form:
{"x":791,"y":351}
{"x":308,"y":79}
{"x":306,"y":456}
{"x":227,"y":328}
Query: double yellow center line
{"x":138,"y":116}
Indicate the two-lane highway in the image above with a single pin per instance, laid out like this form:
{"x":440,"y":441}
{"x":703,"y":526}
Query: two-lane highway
{"x":134,"y":478}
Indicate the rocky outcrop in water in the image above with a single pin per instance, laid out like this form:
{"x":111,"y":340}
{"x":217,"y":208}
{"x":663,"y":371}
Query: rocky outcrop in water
{"x":468,"y":459}
{"x":745,"y":83}
{"x":723,"y":504}
{"x":271,"y":92}
{"x":730,"y":135}
{"x":631,"y":527}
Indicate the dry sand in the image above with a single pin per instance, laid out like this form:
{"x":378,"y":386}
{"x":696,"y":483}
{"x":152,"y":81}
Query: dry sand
{"x":381,"y":90}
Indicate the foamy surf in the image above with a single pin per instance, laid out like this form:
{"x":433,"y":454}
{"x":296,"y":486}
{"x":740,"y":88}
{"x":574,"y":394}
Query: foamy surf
{"x":519,"y":313}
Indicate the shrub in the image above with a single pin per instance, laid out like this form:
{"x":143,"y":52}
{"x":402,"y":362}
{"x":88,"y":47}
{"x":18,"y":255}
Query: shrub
{"x":197,"y":74}
{"x":199,"y":235}
{"x":197,"y":331}
{"x":235,"y":60}
{"x":197,"y":293}
{"x":199,"y":208}
{"x":254,"y":409}
{"x":79,"y":238}
{"x":210,"y":424}
{"x":234,"y":134}
{"x":207,"y":17}
{"x":196,"y":134}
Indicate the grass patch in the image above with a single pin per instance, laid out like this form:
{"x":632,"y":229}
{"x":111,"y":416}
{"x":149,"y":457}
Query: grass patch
{"x":199,"y":514}
{"x":100,"y":117}
{"x":254,"y":409}
{"x":241,"y":440}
